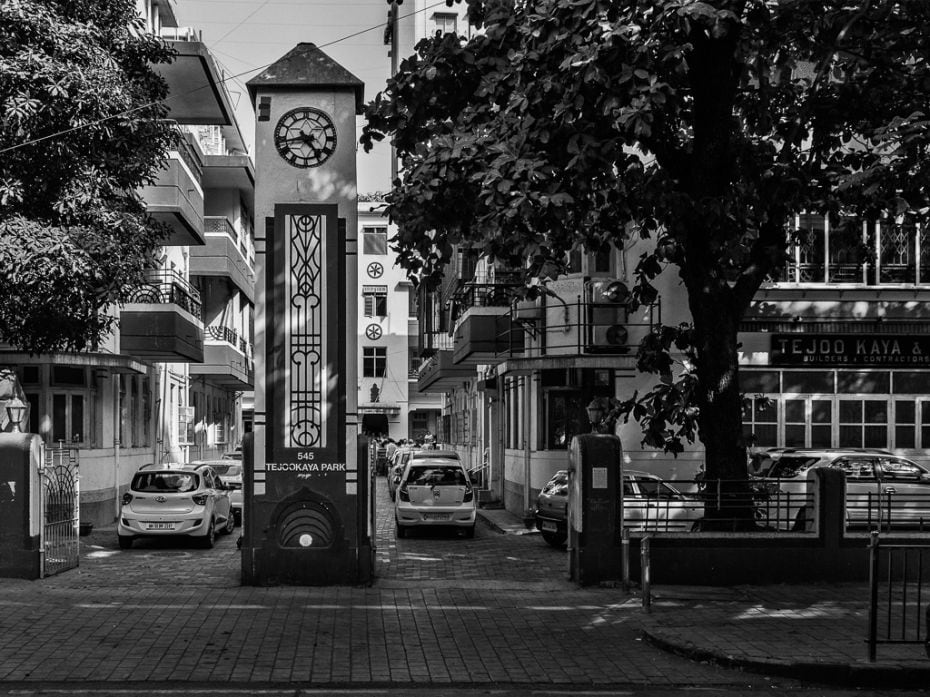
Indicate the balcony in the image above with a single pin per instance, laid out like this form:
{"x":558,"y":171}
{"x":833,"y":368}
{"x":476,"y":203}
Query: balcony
{"x":227,"y":359}
{"x":162,"y":321}
{"x":176,"y":197}
{"x":226,"y":253}
{"x":484,"y":329}
{"x":440,"y":374}
{"x":196,"y":88}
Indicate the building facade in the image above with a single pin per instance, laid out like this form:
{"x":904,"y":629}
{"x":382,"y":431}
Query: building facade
{"x":168,"y":384}
{"x":388,"y":331}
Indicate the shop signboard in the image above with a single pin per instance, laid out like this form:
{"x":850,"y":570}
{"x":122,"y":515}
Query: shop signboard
{"x":859,"y":350}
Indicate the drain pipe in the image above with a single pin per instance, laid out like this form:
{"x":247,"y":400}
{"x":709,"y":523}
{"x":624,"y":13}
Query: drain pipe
{"x":526,"y":446}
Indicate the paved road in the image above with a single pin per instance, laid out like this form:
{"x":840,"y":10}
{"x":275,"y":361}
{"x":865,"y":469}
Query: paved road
{"x":495,"y":612}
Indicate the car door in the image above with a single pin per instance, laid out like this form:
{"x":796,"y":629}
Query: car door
{"x":863,"y":506}
{"x":905,"y":492}
{"x":220,"y":495}
{"x":662,"y":508}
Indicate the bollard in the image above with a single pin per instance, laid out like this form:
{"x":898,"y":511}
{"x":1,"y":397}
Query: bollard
{"x":625,"y":558}
{"x":644,"y":567}
{"x":873,"y":594}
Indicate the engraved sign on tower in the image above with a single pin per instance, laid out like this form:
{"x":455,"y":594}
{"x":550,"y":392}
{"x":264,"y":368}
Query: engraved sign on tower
{"x":306,"y":517}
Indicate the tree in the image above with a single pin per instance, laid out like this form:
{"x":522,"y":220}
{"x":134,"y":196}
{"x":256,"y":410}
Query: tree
{"x":82,"y":129}
{"x":703,"y":126}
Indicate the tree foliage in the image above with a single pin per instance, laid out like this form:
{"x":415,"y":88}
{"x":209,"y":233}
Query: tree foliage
{"x":81,"y":129}
{"x":703,"y":126}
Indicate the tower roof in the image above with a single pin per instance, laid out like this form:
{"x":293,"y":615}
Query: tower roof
{"x":305,"y":65}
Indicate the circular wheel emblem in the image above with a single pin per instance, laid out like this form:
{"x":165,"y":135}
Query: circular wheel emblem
{"x":373,"y":331}
{"x":375,"y":269}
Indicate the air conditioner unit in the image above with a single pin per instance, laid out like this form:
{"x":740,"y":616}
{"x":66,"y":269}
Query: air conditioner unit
{"x":608,"y":292}
{"x":609,"y":338}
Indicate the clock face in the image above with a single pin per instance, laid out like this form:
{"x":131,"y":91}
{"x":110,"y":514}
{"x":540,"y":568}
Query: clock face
{"x":305,"y":137}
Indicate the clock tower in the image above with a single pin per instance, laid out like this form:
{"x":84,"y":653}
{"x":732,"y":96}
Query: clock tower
{"x":306,"y":502}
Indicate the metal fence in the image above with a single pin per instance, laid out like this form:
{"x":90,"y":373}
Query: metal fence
{"x":60,"y":513}
{"x":897,"y":594}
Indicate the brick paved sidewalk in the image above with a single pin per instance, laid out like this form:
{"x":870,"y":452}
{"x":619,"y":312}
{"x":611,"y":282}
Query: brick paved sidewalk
{"x":808,"y":632}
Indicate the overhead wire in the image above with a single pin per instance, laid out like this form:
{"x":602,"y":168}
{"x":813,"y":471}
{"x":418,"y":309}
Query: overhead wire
{"x":127,"y":112}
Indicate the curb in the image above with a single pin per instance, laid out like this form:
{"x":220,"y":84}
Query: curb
{"x":840,"y":674}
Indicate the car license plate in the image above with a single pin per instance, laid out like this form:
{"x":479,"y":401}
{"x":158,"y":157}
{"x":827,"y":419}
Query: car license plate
{"x":160,"y":526}
{"x":435,"y":516}
{"x":549,"y":527}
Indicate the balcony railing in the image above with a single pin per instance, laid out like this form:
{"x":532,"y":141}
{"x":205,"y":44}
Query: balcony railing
{"x":168,"y":287}
{"x":218,"y":332}
{"x":219,"y":224}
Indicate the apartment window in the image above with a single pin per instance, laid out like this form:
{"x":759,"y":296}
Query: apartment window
{"x":374,"y":301}
{"x":445,"y":22}
{"x":374,"y":240}
{"x":852,"y":250}
{"x":374,"y":362}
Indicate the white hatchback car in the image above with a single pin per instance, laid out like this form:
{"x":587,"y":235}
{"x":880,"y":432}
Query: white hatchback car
{"x":435,"y":492}
{"x":170,"y":500}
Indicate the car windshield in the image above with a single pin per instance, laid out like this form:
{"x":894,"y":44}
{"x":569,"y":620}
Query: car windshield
{"x":788,"y":467}
{"x":165,"y":481}
{"x":225,"y":470}
{"x":436,"y":475}
{"x":558,"y":485}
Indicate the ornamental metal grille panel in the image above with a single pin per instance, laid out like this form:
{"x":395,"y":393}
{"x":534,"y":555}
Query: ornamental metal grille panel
{"x":305,"y":371}
{"x":60,"y":514}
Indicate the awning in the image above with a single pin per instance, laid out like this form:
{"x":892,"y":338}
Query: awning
{"x":378,"y":408}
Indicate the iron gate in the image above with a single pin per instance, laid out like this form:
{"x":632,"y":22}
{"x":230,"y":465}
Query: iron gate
{"x":60,"y":511}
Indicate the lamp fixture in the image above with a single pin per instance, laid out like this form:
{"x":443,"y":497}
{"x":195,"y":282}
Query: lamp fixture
{"x":16,"y":411}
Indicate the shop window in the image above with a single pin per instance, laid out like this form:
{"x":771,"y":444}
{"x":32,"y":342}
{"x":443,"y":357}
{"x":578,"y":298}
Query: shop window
{"x":911,"y":383}
{"x":760,"y":421}
{"x":803,"y":382}
{"x":852,"y":382}
{"x":905,"y":421}
{"x":67,"y":376}
{"x":863,"y":423}
{"x":69,"y":419}
{"x":565,"y":418}
{"x":759,"y":381}
{"x":374,"y":362}
{"x":374,"y":240}
{"x":30,"y":376}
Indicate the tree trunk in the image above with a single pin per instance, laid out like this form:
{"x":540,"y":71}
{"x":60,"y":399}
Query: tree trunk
{"x":727,"y":492}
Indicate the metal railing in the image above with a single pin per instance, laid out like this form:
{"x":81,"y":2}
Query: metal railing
{"x":719,"y":505}
{"x":891,"y":508}
{"x":219,"y":332}
{"x":168,"y":287}
{"x":897,"y":594}
{"x":220,"y":224}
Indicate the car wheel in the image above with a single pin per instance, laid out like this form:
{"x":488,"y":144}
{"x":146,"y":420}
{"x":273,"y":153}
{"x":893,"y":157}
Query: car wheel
{"x":230,"y":524}
{"x":208,"y":540}
{"x":124,"y":542}
{"x":556,"y":539}
{"x":399,"y":531}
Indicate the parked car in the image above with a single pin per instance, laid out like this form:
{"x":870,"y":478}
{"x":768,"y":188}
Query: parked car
{"x":230,"y":473}
{"x":175,"y":500}
{"x":649,"y":503}
{"x":435,"y":492}
{"x":399,"y":460}
{"x":882,"y":489}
